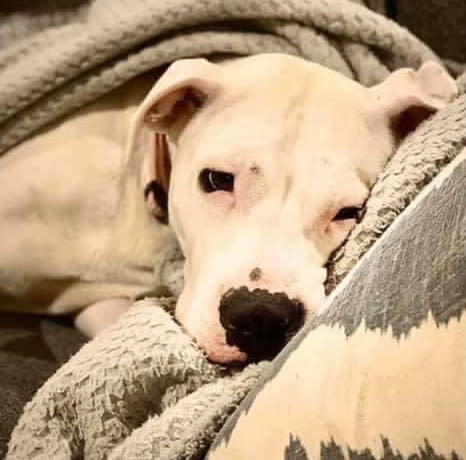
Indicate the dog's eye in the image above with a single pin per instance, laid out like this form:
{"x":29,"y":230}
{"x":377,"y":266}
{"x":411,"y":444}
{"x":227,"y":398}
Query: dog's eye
{"x":212,"y":181}
{"x":351,"y":212}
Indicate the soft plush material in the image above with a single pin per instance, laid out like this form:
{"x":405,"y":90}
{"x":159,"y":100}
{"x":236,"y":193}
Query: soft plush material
{"x":143,"y":389}
{"x":118,"y":385}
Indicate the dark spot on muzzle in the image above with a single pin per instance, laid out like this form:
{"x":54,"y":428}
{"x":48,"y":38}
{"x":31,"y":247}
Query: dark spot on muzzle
{"x":258,"y":322}
{"x":256,"y":274}
{"x":255,"y":169}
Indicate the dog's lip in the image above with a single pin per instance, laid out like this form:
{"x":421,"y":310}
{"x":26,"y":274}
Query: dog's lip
{"x":226,"y":354}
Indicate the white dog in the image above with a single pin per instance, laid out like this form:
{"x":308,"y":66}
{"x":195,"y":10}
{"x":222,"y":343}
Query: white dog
{"x":261,"y":166}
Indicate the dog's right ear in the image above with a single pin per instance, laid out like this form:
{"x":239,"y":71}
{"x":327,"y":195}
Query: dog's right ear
{"x":183,"y":89}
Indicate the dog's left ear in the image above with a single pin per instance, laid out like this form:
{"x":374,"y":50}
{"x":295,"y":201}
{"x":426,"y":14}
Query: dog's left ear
{"x":173,"y":101}
{"x":407,"y":97}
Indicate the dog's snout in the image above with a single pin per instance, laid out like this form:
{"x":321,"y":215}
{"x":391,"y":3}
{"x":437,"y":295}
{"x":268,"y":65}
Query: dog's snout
{"x":258,"y":322}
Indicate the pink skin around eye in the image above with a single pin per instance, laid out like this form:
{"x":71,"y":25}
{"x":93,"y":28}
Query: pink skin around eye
{"x":337,"y":229}
{"x":342,"y":225}
{"x":221,"y":201}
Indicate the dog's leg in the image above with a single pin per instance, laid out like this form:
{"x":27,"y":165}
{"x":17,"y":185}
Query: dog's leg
{"x":99,"y":315}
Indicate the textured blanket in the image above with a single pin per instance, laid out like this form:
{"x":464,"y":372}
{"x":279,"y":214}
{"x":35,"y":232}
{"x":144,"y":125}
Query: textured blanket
{"x":143,"y":389}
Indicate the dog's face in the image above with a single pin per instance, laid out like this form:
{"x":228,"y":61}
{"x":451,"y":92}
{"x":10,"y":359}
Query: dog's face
{"x":272,"y":159}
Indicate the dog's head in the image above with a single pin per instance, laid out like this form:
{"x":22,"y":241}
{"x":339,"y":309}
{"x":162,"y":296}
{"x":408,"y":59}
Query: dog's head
{"x":271,"y":160}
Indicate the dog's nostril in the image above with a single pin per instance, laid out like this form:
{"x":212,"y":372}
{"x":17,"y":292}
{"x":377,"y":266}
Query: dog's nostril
{"x":259,"y":322}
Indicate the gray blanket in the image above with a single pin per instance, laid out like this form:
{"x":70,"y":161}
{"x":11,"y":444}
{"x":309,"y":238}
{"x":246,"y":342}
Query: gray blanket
{"x":143,"y":389}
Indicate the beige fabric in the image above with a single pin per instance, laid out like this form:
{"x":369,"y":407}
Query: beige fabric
{"x":335,"y":388}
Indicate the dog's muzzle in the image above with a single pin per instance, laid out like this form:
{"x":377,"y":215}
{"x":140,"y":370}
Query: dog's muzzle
{"x":258,"y":322}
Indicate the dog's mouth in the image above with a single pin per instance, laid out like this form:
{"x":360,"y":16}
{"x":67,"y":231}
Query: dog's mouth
{"x":240,"y":347}
{"x":227,"y":355}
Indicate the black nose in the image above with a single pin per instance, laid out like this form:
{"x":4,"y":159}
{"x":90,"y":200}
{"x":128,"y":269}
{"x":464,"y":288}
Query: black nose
{"x":258,"y":322}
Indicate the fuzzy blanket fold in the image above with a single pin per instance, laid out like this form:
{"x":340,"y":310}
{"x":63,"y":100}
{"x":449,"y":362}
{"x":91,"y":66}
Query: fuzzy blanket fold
{"x":143,"y":389}
{"x":118,"y":385}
